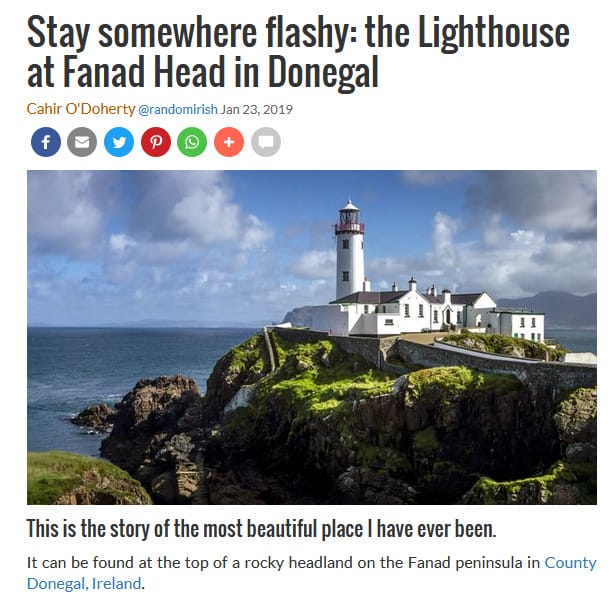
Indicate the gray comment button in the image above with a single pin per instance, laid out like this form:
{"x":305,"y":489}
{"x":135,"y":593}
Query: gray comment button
{"x":266,"y":142}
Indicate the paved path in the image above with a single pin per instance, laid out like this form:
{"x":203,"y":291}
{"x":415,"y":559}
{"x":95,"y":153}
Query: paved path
{"x":421,"y":338}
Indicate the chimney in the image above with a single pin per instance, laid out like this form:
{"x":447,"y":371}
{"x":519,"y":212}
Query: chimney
{"x":446,"y":296}
{"x":412,"y":284}
{"x":394,"y":286}
{"x":366,"y":285}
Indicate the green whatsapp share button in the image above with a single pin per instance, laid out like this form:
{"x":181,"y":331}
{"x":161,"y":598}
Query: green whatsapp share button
{"x":192,"y":141}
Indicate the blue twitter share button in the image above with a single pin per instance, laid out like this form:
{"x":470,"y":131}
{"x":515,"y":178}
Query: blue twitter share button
{"x":118,"y":142}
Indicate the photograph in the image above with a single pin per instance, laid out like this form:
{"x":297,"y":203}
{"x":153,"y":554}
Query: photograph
{"x":312,"y":337}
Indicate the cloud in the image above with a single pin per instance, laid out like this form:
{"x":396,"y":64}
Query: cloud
{"x":503,"y":261}
{"x":64,"y":217}
{"x":519,"y":262}
{"x":121,"y":243}
{"x":315,"y":265}
{"x":523,"y":232}
{"x":137,"y":244}
{"x":431,"y":177}
{"x":193,"y":206}
{"x":443,"y":235}
{"x":560,"y":202}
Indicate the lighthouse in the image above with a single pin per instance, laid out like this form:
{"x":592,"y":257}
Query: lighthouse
{"x":349,"y":233}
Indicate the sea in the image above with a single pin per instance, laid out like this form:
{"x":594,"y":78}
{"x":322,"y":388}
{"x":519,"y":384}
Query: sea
{"x":72,"y":368}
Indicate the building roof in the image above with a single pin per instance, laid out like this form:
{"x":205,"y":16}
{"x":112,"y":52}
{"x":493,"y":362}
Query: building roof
{"x":370,"y":297}
{"x":387,"y":297}
{"x":465,"y":298}
{"x":350,"y":206}
{"x":516,"y":311}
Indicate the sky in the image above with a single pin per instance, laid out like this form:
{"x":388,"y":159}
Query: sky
{"x":245,"y":247}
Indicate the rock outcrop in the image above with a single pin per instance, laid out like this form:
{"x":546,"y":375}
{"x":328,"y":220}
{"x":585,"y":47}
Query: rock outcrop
{"x":505,"y":345}
{"x":573,"y":478}
{"x":326,"y":428}
{"x":97,"y":418}
{"x":149,"y":440}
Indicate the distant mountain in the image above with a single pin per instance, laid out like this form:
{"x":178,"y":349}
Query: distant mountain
{"x":561,"y":309}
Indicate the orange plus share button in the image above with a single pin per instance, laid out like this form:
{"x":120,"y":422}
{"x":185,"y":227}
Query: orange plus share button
{"x":229,"y":141}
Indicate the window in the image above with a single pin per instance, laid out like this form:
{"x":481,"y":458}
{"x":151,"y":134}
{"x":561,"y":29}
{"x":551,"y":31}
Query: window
{"x":459,"y":316}
{"x":346,"y":244}
{"x":389,"y":322}
{"x":538,"y":337}
{"x":522,"y":336}
{"x":533,"y":321}
{"x":345,"y":277}
{"x":522,"y":322}
{"x":421,"y":310}
{"x":366,"y":309}
{"x":435,"y":316}
{"x":407,"y":310}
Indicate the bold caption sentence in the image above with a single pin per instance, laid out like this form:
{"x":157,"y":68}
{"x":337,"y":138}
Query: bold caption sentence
{"x":289,"y":528}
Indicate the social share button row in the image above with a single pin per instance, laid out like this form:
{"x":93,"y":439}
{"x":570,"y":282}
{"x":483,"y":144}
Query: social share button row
{"x":155,"y":141}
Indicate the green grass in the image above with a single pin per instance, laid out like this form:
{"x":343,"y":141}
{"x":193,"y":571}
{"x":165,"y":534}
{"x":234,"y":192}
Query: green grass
{"x":313,"y":379}
{"x":249,"y":355}
{"x":55,"y":473}
{"x":319,"y":376}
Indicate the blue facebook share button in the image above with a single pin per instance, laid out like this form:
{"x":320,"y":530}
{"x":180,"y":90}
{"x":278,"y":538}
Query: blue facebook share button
{"x":118,"y":142}
{"x":46,"y":142}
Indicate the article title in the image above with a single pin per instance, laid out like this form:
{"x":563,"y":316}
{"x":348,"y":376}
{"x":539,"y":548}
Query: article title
{"x":214,"y":68}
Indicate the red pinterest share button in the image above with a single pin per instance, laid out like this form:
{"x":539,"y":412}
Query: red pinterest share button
{"x":156,"y":142}
{"x":229,"y":141}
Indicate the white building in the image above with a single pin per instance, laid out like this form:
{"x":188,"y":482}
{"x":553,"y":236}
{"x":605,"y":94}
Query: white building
{"x":358,"y":311}
{"x":514,"y":322}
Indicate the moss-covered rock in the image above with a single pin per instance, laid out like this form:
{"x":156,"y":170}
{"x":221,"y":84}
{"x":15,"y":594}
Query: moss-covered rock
{"x":330,"y":379}
{"x":324,"y":426}
{"x":561,"y":484}
{"x":58,"y":477}
{"x":308,"y":419}
{"x":243,"y":365}
{"x":576,"y":419}
{"x":505,"y":345}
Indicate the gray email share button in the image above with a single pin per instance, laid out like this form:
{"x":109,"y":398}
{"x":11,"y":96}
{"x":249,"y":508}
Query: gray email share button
{"x":82,"y":142}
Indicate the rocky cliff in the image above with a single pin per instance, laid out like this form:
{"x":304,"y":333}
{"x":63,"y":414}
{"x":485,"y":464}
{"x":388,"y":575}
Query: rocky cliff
{"x":326,"y":427}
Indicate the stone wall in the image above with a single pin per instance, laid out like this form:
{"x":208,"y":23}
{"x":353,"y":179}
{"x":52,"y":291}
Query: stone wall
{"x":294,"y":334}
{"x":368,"y":348}
{"x":538,"y":374}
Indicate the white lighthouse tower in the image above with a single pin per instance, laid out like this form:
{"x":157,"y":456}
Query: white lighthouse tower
{"x":349,"y":233}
